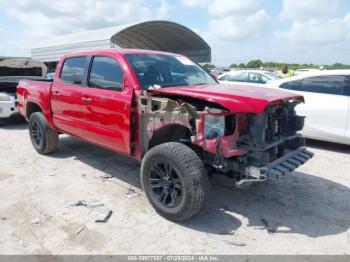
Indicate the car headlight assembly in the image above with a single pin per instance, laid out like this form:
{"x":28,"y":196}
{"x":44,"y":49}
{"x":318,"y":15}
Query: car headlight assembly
{"x":5,"y":97}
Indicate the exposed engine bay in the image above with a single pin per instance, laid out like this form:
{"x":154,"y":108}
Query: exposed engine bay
{"x":248,"y":147}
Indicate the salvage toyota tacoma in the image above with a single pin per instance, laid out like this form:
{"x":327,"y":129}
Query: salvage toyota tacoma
{"x":168,"y":112}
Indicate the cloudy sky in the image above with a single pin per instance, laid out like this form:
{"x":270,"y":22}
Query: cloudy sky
{"x":301,"y":31}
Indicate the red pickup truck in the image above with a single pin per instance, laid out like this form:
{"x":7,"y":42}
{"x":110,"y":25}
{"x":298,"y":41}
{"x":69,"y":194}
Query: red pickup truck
{"x":167,"y":111}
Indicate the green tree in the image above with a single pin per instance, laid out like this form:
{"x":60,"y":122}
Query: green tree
{"x":208,"y":66}
{"x":293,"y":66}
{"x":255,"y":63}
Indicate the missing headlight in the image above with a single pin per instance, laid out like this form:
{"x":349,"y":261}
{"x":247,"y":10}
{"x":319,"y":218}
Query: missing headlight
{"x":219,"y":125}
{"x":214,"y":126}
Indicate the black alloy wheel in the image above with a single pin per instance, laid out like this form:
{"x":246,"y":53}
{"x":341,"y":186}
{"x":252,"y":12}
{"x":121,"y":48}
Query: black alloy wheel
{"x":174,"y":180}
{"x":166,"y":183}
{"x":36,"y":134}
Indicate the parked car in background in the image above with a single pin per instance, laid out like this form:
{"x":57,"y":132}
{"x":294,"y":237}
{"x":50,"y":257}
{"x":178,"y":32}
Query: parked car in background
{"x":306,"y":70}
{"x":167,"y":111}
{"x":326,"y":105}
{"x":248,"y":77}
{"x":11,"y":71}
{"x":215,"y":72}
{"x":50,"y":75}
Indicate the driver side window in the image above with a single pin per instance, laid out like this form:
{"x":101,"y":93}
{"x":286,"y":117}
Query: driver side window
{"x":106,"y":73}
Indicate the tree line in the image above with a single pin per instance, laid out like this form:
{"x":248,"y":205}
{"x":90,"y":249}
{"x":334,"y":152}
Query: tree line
{"x":257,"y":63}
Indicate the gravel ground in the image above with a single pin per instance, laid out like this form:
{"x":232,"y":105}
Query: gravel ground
{"x":307,"y":212}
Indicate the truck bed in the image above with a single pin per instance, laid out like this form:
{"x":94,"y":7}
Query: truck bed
{"x":9,"y":84}
{"x":34,"y":91}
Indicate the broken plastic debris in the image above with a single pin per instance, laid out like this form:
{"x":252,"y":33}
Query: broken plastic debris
{"x":132,"y":193}
{"x":95,"y":204}
{"x":84,"y":203}
{"x":35,"y":221}
{"x":106,"y":176}
{"x":79,"y":203}
{"x":235,"y":243}
{"x":103,"y":217}
{"x":79,"y":230}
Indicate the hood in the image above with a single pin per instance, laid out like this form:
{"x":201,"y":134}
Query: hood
{"x":236,"y":98}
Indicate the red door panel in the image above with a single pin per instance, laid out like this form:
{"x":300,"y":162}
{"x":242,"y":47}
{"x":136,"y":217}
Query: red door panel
{"x":106,"y":116}
{"x":66,"y":108}
{"x":66,"y":95}
{"x":106,"y":105}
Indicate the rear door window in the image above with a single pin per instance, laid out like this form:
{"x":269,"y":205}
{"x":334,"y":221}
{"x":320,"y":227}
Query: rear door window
{"x":257,"y":78}
{"x":73,"y":70}
{"x":238,"y":77}
{"x":106,"y":73}
{"x":334,"y":85}
{"x":292,"y":85}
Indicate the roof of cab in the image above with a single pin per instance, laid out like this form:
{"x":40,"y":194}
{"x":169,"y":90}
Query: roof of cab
{"x":310,"y":74}
{"x":119,"y":51}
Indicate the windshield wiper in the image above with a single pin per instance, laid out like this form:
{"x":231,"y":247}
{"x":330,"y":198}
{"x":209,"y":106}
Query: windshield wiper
{"x":182,"y":84}
{"x":169,"y":85}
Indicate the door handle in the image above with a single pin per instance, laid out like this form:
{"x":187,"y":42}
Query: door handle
{"x":86,"y":100}
{"x":56,"y":93}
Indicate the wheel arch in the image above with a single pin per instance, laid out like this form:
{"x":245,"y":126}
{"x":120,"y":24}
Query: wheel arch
{"x":34,"y":106}
{"x":31,"y":108}
{"x":170,"y":133}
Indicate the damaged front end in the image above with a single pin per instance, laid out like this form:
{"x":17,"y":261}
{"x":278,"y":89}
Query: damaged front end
{"x":274,"y":146}
{"x":248,"y":147}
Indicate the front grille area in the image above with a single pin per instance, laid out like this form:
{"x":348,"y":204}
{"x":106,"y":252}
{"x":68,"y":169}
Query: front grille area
{"x":272,"y":134}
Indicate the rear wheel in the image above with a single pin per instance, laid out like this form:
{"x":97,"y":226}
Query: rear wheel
{"x":44,"y":139}
{"x":174,"y":180}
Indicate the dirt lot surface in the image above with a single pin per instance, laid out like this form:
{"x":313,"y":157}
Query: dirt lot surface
{"x":306,"y":213}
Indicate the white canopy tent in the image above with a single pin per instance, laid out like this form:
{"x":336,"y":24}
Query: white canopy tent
{"x":153,"y":35}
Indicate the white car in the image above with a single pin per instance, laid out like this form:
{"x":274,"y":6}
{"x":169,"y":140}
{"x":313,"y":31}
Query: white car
{"x":11,"y":71}
{"x":306,"y":70}
{"x":248,"y":77}
{"x":327,"y":103}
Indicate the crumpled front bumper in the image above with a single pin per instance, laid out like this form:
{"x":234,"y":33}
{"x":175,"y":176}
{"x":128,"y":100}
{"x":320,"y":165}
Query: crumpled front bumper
{"x":287,"y":163}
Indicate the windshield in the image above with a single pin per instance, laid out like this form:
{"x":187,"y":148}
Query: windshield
{"x":157,"y":71}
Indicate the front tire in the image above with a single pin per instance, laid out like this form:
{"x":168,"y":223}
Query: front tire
{"x":174,"y":180}
{"x":44,"y":139}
